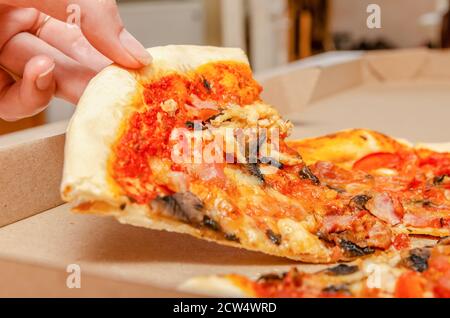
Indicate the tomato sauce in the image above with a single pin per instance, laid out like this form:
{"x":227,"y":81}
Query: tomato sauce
{"x":401,"y":241}
{"x":147,"y":132}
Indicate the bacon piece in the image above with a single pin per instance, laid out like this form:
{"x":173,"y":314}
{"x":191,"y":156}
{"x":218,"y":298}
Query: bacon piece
{"x":382,"y":206}
{"x":208,"y":171}
{"x":200,"y":104}
{"x":421,"y":221}
{"x":337,"y":223}
{"x":379,"y":235}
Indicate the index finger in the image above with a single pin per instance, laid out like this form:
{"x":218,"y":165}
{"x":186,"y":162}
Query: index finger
{"x":100,"y":23}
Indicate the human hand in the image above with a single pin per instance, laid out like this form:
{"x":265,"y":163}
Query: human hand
{"x":42,"y":57}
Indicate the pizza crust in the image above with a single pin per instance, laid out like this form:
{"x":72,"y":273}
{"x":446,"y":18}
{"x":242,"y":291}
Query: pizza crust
{"x":438,"y":147}
{"x":185,"y":58}
{"x":91,"y":133}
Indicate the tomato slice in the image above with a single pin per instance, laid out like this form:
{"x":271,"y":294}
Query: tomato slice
{"x":378,"y":160}
{"x":409,"y":285}
{"x":440,"y":263}
{"x":442,"y":288}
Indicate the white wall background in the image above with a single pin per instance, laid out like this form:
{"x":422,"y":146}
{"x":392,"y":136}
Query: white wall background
{"x":400,"y":20}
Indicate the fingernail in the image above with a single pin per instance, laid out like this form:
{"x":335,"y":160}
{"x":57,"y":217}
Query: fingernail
{"x":135,"y":48}
{"x":45,"y":79}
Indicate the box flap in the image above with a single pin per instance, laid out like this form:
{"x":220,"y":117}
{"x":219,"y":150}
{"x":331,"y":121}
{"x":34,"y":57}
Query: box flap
{"x":437,"y":65}
{"x":292,"y":91}
{"x":30,"y":173}
{"x":396,"y":65}
{"x":336,"y":78}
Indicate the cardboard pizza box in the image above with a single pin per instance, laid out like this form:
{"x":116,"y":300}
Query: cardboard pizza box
{"x":43,"y":246}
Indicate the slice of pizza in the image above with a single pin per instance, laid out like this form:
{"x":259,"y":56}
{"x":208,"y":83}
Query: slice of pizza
{"x":143,"y":147}
{"x":404,"y":185}
{"x":187,"y":145}
{"x":422,"y":272}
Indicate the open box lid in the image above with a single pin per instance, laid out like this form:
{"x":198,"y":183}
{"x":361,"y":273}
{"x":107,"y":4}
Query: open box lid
{"x":404,"y":93}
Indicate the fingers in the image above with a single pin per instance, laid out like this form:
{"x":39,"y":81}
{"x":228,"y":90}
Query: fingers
{"x":73,"y":44}
{"x":32,"y":93}
{"x":71,"y":77}
{"x":14,"y":20}
{"x":101,"y":25}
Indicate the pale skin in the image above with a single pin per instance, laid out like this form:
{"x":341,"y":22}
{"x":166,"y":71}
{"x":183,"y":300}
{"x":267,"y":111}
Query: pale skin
{"x":44,"y":57}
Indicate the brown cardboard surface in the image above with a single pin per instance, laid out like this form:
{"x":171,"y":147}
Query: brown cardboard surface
{"x":415,"y":110}
{"x":33,"y":134}
{"x":336,"y":78}
{"x":396,"y":65}
{"x":293,"y":90}
{"x":30,"y":174}
{"x":104,"y":248}
{"x":28,"y":280}
{"x":437,"y":65}
{"x":404,"y":94}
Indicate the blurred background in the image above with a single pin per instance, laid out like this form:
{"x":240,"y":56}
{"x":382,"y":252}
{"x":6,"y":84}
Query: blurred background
{"x":274,"y":32}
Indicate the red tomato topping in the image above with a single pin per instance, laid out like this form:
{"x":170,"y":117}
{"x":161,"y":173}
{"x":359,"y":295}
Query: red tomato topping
{"x":440,"y":263}
{"x":442,"y":289}
{"x":194,"y":96}
{"x":414,"y":184}
{"x":378,"y":160}
{"x":409,"y":285}
{"x":401,"y":241}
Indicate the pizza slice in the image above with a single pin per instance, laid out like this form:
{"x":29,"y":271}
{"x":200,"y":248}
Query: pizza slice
{"x":125,"y":155}
{"x":421,"y":272}
{"x":187,"y":145}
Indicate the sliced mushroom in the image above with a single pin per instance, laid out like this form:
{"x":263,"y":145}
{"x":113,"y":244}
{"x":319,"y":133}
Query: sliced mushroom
{"x":354,"y":250}
{"x":184,"y":206}
{"x":307,"y":174}
{"x":342,"y":270}
{"x":417,"y":259}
